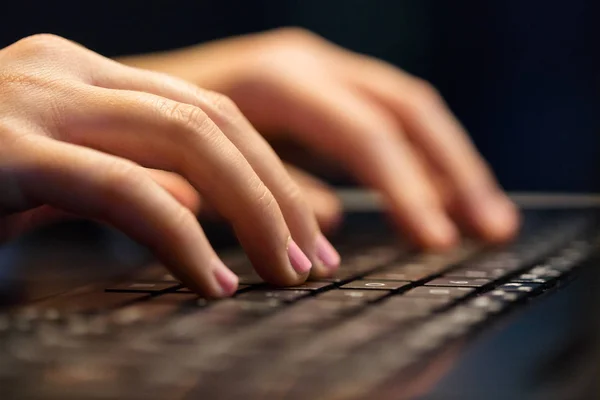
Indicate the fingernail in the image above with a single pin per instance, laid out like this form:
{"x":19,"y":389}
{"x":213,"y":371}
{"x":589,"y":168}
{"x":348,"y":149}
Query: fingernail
{"x":227,"y":280}
{"x":298,"y":259}
{"x":327,"y":253}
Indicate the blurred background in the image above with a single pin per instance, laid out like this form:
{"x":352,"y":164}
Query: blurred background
{"x":523,"y":76}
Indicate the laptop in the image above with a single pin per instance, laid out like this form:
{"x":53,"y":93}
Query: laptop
{"x":86,"y":315}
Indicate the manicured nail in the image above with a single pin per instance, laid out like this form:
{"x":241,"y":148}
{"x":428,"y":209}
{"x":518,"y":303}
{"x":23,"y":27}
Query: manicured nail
{"x":327,"y":253}
{"x":298,"y":259}
{"x":227,"y":280}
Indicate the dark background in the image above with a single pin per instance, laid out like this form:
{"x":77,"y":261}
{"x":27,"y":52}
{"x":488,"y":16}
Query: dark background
{"x":523,"y":76}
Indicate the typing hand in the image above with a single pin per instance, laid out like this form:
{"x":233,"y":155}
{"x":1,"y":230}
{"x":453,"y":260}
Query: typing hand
{"x":390,"y":129}
{"x":89,"y":136}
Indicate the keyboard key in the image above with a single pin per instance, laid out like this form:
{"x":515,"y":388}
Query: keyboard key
{"x":531,"y":278}
{"x":342,"y":274}
{"x":519,"y":287}
{"x":454,"y":282}
{"x":407,"y":275}
{"x":282,"y":295}
{"x":352,"y":295}
{"x":176,"y":298}
{"x":308,"y":286}
{"x":375,"y":285}
{"x":411,"y":306}
{"x":488,"y":303}
{"x":142,"y":287}
{"x":437,"y":292}
{"x":477,"y":273}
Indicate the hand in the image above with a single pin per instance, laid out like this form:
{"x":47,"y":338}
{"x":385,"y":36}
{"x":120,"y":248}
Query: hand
{"x":390,"y":129}
{"x":89,"y":136}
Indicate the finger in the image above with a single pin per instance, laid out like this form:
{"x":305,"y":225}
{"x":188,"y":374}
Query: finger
{"x":431,"y":125}
{"x":14,"y":225}
{"x":370,"y":144}
{"x":160,"y":133}
{"x":322,"y":199}
{"x":107,"y":188}
{"x":224,"y":113}
{"x":179,"y":188}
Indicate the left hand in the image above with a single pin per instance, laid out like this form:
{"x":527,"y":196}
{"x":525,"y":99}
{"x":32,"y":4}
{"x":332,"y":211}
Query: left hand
{"x":392,"y":130}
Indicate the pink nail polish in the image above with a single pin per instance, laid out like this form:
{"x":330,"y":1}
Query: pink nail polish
{"x":298,"y":259}
{"x":327,"y":253}
{"x":227,"y":280}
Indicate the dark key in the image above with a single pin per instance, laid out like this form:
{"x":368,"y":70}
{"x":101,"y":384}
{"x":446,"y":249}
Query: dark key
{"x":342,"y":274}
{"x":407,"y":275}
{"x":488,"y":303}
{"x":308,"y":286}
{"x":282,"y":295}
{"x":519,"y":287}
{"x":375,"y":285}
{"x":177,"y":298}
{"x":437,"y":292}
{"x":458,"y":282}
{"x":477,"y":273}
{"x":184,"y":290}
{"x":531,"y":278}
{"x":420,"y":305}
{"x":88,"y":302}
{"x":506,"y":296}
{"x":142,"y":287}
{"x":144,"y":312}
{"x":352,"y":295}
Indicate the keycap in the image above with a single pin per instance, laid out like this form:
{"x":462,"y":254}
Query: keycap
{"x":352,"y":295}
{"x":477,"y":273}
{"x":314,"y":286}
{"x":489,"y":303}
{"x":144,"y":312}
{"x":407,"y":275}
{"x":375,"y":285}
{"x":283,"y":295}
{"x":531,"y":278}
{"x":458,"y":282}
{"x":519,"y":287}
{"x":436,"y":292}
{"x":421,"y":305}
{"x":87,"y":302}
{"x":177,"y":298}
{"x":144,"y":287}
{"x":342,"y":274}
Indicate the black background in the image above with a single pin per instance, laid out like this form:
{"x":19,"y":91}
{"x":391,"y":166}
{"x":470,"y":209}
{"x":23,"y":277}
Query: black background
{"x":523,"y":76}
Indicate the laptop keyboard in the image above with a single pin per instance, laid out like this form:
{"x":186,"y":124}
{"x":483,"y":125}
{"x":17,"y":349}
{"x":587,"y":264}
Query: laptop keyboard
{"x":385,"y":311}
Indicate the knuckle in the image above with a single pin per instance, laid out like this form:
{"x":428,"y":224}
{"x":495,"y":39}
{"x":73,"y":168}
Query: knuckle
{"x":223,"y":107}
{"x":424,"y":92}
{"x":190,"y":120}
{"x":296,"y":35}
{"x":41,"y":44}
{"x":264,"y":199}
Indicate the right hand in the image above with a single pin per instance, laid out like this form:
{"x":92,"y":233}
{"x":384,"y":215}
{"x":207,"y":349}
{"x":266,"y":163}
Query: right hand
{"x":89,"y":136}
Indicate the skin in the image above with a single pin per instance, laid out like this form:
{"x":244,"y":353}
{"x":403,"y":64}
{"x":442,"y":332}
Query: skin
{"x":147,"y":143}
{"x":391,"y":130}
{"x":88,"y":136}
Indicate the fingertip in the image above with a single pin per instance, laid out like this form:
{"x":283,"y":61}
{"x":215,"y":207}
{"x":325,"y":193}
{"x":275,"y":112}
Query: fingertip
{"x":501,"y":220}
{"x":434,"y":231}
{"x":227,"y":281}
